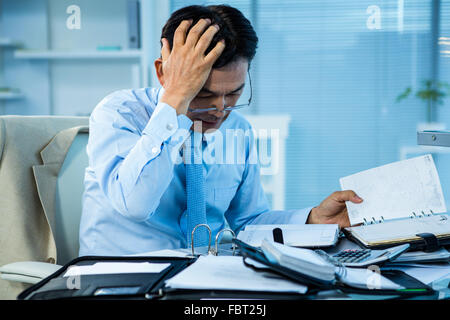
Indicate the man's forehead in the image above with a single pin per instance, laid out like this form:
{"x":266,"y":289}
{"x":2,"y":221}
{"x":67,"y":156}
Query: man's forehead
{"x":227,"y":79}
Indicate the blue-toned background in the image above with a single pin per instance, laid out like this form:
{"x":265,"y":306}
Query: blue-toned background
{"x":318,"y":62}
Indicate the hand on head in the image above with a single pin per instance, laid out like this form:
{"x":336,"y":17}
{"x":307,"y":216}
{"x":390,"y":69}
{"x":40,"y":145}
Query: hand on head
{"x":184,"y":69}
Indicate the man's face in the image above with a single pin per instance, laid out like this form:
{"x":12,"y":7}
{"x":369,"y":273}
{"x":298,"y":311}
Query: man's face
{"x":222,"y":89}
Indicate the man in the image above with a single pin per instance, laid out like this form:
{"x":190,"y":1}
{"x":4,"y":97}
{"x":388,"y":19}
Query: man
{"x":138,"y":196}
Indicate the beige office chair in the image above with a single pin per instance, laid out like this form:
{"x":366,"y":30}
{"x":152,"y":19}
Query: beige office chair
{"x":59,"y":176}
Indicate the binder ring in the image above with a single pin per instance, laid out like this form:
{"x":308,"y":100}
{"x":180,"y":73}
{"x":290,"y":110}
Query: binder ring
{"x":192,"y":236}
{"x":216,"y":252}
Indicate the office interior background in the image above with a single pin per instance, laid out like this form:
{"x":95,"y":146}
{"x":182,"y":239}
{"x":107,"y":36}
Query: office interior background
{"x":331,"y":69}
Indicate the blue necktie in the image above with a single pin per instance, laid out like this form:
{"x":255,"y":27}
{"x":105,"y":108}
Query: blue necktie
{"x":195,"y":193}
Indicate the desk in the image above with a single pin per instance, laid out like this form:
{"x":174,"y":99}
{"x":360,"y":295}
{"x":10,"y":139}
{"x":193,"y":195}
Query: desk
{"x":149,"y":285}
{"x":439,"y":281}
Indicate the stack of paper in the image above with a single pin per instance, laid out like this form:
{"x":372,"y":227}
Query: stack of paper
{"x":229,"y":273}
{"x":296,"y":235}
{"x":309,"y":262}
{"x":421,"y":256}
{"x":116,"y":268}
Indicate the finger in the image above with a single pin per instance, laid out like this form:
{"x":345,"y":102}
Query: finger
{"x":206,"y":38}
{"x":215,"y":53}
{"x":179,"y":37}
{"x":347,"y":195}
{"x":196,"y":32}
{"x":165,"y":50}
{"x":345,"y":221}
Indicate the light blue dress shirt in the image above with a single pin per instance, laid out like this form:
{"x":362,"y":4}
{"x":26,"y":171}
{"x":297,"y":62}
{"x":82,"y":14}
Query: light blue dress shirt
{"x":135,"y":194}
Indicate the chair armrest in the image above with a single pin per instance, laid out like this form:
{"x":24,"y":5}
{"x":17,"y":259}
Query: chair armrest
{"x":27,"y":271}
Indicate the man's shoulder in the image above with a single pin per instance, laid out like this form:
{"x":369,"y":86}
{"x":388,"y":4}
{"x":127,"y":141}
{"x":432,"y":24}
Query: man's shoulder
{"x":138,"y":103}
{"x":130,"y":97}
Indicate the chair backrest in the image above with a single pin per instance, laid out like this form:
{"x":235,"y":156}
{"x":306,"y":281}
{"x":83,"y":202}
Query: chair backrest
{"x":68,"y":203}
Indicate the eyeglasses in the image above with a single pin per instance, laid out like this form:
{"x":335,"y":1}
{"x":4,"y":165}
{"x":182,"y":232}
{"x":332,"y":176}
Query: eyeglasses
{"x":231,"y":108}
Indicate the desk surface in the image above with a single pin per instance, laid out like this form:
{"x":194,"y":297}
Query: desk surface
{"x":435,"y":275}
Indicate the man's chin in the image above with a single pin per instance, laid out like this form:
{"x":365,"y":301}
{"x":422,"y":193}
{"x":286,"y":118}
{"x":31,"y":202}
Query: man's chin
{"x":209,"y":126}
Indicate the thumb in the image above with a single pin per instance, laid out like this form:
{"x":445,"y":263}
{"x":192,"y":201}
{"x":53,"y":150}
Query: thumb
{"x":347,"y":195}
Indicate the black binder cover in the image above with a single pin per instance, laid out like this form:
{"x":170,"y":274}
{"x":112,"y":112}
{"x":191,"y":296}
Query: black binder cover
{"x":134,"y":285}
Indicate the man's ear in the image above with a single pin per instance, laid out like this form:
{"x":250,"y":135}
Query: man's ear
{"x":159,"y":70}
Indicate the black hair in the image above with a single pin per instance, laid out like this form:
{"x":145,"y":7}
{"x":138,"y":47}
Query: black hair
{"x":240,"y":38}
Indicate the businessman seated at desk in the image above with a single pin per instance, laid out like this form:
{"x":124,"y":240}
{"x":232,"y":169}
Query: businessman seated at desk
{"x":148,"y":183}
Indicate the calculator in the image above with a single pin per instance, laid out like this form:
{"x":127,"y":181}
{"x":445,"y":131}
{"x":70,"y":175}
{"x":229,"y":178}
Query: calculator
{"x":367,"y":257}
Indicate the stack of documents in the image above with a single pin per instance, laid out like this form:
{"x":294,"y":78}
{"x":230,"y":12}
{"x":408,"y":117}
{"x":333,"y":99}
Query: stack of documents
{"x":321,"y":266}
{"x":229,"y":273}
{"x":441,"y":255}
{"x":296,"y":235}
{"x":116,"y":268}
{"x":309,"y":262}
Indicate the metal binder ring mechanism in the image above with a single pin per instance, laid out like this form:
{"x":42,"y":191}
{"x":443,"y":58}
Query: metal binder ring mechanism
{"x":214,"y":251}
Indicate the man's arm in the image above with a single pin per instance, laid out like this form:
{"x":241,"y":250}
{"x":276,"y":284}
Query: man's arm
{"x":135,"y":170}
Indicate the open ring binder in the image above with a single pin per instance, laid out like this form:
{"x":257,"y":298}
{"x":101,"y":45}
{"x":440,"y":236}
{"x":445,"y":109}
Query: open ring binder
{"x":214,"y":251}
{"x":192,"y":237}
{"x":373,"y":220}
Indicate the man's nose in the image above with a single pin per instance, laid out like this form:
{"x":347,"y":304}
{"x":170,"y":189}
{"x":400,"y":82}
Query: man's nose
{"x":219,"y":104}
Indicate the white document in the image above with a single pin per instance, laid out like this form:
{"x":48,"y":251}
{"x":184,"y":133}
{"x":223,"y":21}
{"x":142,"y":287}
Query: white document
{"x":116,"y":267}
{"x":296,"y":235}
{"x":302,"y":260}
{"x":178,"y":253}
{"x":366,"y":279}
{"x":395,"y":190}
{"x":425,"y":273}
{"x":230,"y":273}
{"x":420,"y":256}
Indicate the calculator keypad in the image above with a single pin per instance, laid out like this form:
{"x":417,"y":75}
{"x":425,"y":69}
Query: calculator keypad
{"x":352,"y":255}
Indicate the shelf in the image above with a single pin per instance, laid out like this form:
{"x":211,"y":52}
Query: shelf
{"x":50,"y":54}
{"x":5,"y":42}
{"x":434,"y":138}
{"x":10,"y":95}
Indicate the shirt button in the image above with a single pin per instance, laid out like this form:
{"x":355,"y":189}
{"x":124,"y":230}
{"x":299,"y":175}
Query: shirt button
{"x":155,"y":150}
{"x":169,"y":126}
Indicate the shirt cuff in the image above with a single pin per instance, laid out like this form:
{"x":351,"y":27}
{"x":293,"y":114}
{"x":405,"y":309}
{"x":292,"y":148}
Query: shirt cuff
{"x":164,"y":123}
{"x":300,"y":216}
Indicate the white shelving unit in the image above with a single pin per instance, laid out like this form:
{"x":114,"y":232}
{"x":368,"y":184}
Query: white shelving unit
{"x":7,"y":44}
{"x":10,"y":95}
{"x":59,"y":54}
{"x":64,"y":71}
